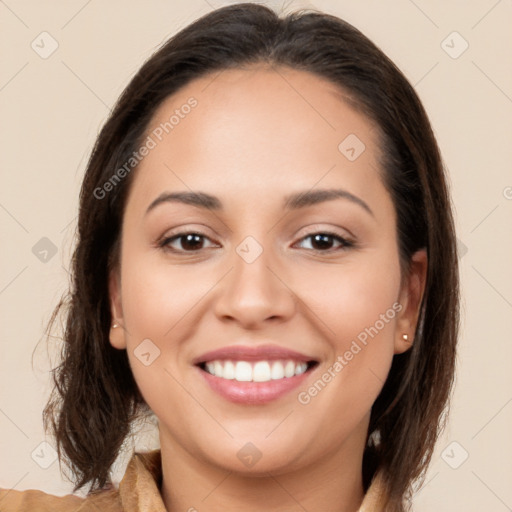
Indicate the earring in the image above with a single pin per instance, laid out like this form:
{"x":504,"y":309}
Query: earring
{"x":114,"y":326}
{"x":405,"y":337}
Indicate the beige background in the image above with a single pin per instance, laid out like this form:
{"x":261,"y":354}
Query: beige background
{"x":51,"y":110}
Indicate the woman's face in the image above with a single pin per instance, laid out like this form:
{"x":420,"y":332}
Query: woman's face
{"x":261,"y":305}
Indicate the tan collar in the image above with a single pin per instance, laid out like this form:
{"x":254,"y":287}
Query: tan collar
{"x":139,"y":490}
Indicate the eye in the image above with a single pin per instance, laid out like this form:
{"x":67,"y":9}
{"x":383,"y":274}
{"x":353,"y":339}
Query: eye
{"x":194,"y":242}
{"x":190,"y":242}
{"x":324,"y":241}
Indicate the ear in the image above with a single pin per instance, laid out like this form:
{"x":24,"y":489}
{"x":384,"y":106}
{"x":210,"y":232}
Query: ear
{"x":410,"y":299}
{"x":117,"y":334}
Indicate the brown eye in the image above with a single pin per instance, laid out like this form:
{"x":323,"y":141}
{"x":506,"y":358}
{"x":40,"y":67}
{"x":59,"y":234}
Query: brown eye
{"x":189,"y":242}
{"x":323,"y":242}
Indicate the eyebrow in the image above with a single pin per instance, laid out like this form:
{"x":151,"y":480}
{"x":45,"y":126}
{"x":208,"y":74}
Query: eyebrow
{"x":291,"y":202}
{"x":311,"y":197}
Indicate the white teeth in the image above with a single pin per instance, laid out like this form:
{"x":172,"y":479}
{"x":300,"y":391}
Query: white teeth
{"x":260,"y":371}
{"x":301,"y":368}
{"x":289,"y":369}
{"x":243,"y":371}
{"x":229,"y":371}
{"x":218,"y":368}
{"x":277,"y":370}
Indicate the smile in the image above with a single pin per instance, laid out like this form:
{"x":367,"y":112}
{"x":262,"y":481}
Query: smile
{"x":259,"y":371}
{"x":254,"y":375}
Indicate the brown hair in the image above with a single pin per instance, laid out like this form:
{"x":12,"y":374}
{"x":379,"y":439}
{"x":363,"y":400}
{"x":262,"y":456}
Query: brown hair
{"x":95,"y":397}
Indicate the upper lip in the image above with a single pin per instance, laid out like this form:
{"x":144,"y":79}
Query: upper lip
{"x":252,"y":353}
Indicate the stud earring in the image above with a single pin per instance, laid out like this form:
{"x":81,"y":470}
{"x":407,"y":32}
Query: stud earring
{"x":114,"y":326}
{"x":405,"y":337}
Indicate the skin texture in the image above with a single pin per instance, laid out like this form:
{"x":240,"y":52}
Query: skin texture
{"x":255,"y":136}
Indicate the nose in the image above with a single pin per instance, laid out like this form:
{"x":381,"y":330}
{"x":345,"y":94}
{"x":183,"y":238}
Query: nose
{"x":253,"y":294}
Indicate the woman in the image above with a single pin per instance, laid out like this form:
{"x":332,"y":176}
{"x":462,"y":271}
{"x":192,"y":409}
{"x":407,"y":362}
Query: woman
{"x":266,"y":261}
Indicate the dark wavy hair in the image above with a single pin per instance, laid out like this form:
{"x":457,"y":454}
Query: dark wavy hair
{"x":95,"y":398}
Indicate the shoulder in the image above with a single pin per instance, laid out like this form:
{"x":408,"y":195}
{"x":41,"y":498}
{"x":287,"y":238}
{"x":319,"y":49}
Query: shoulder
{"x":39,"y":501}
{"x":140,"y":484}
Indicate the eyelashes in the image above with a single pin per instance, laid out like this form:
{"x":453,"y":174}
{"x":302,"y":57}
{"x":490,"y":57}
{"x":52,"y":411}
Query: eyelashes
{"x":321,"y":237}
{"x":193,"y":240}
{"x":190,"y":237}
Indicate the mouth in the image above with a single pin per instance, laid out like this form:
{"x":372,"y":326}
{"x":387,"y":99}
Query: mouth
{"x":254,"y":375}
{"x":259,"y":371}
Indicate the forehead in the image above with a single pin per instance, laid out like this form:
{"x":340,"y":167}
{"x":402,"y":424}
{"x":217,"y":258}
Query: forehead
{"x":258,"y":129}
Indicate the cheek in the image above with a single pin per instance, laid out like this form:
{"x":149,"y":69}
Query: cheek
{"x":162,"y":304}
{"x":158,"y":297}
{"x":359,"y":309}
{"x":350,"y":298}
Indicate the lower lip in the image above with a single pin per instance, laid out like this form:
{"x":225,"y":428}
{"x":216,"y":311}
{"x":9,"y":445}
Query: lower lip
{"x":253,"y":393}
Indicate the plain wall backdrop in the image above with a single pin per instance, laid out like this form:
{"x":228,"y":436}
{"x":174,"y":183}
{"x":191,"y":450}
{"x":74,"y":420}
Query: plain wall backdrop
{"x":63,"y":65}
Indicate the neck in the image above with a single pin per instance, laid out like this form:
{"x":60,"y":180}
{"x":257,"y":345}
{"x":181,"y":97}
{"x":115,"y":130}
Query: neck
{"x":332,"y":484}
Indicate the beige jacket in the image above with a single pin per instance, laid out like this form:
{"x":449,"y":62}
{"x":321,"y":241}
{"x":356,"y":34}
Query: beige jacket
{"x":138,"y":492}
